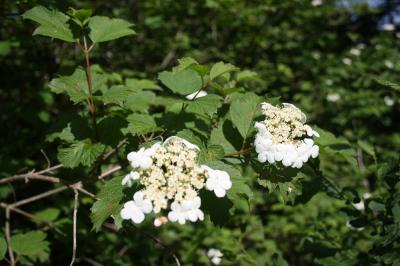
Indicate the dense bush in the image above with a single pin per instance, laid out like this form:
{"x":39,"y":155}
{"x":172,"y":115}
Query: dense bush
{"x":90,"y":87}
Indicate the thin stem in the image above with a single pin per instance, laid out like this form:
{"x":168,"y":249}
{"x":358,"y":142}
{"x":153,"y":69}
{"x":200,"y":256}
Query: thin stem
{"x":92,"y":104}
{"x":31,"y":217}
{"x":240,"y":152}
{"x":39,"y":196}
{"x":74,"y":227}
{"x":29,"y":176}
{"x":8,"y":238}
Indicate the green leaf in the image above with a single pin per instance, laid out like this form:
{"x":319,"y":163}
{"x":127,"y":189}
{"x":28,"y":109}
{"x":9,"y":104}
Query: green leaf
{"x":75,"y":86}
{"x":141,"y":84}
{"x":191,"y":137}
{"x":109,"y":196}
{"x":227,"y":136}
{"x":185,"y":63}
{"x":52,"y":23}
{"x":368,"y":148}
{"x":389,"y":84}
{"x":207,"y":105}
{"x":140,"y":124}
{"x":246,"y":75}
{"x":140,"y":101}
{"x":83,"y":152}
{"x":243,"y":107}
{"x":31,"y":243}
{"x":3,"y":247}
{"x":104,"y":29}
{"x":221,"y":68}
{"x":212,"y":153}
{"x":47,"y":215}
{"x":116,"y":94}
{"x":65,"y":135}
{"x":183,"y":82}
{"x":80,"y":16}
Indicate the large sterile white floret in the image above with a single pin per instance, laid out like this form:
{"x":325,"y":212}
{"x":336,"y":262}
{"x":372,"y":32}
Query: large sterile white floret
{"x":171,"y":180}
{"x":135,"y":209}
{"x":284,"y":137}
{"x":142,"y":158}
{"x":218,"y":181}
{"x":186,"y":210}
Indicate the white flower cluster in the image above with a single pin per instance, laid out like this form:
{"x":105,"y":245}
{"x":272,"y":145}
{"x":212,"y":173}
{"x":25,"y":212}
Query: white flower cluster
{"x":215,"y":256}
{"x":171,"y":179}
{"x":333,"y":97}
{"x":284,"y":137}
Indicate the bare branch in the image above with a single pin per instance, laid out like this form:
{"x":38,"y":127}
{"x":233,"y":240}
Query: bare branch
{"x":30,"y":216}
{"x":47,"y":158}
{"x":8,"y":237}
{"x":29,"y":176}
{"x":50,"y":169}
{"x":110,"y":171}
{"x":39,"y":196}
{"x":74,"y":227}
{"x":122,"y":143}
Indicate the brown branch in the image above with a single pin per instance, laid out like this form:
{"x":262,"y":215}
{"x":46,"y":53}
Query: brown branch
{"x":168,"y":58}
{"x":8,"y":237}
{"x":50,"y":169}
{"x":30,"y":216}
{"x":38,"y":196}
{"x":110,"y":171}
{"x":29,"y":176}
{"x":76,"y":194}
{"x":122,"y":143}
{"x":92,"y":104}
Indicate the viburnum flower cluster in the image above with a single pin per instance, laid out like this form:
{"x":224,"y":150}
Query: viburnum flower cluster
{"x":284,"y":137}
{"x":171,"y":179}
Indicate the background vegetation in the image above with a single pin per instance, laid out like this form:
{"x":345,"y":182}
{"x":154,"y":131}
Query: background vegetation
{"x":336,"y":60}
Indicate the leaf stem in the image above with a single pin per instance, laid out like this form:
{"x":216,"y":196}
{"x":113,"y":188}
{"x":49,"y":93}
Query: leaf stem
{"x":92,"y":104}
{"x":240,"y":152}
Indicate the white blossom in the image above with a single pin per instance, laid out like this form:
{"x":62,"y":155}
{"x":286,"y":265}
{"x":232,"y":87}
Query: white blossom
{"x":333,"y":97}
{"x":218,"y":181}
{"x":129,"y":178}
{"x":389,"y":101}
{"x":215,"y":256}
{"x":142,"y":158}
{"x":171,"y":179}
{"x":329,"y":82}
{"x":316,"y":2}
{"x":355,"y":51}
{"x":388,"y":27}
{"x":284,"y":137}
{"x":135,"y":209}
{"x":196,"y":94}
{"x":389,"y":64}
{"x":347,"y":61}
{"x":186,"y":210}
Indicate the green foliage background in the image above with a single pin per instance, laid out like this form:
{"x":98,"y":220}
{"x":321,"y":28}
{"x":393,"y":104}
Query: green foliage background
{"x":272,"y":217}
